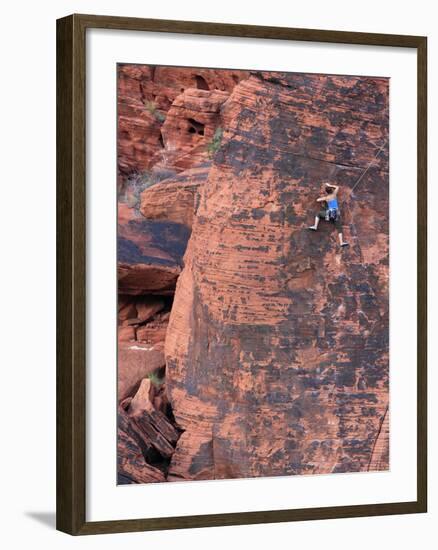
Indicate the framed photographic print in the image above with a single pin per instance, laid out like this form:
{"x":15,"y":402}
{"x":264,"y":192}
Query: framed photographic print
{"x":241,"y":274}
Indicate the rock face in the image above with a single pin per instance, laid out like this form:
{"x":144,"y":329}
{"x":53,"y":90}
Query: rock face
{"x":146,"y":438}
{"x":380,"y":455}
{"x":136,"y":361}
{"x":277,"y":345}
{"x":190,"y":124}
{"x":132,"y":467}
{"x":167,"y":118}
{"x":149,"y":256}
{"x":174,"y":199}
{"x":272,"y":358}
{"x":145,"y":95}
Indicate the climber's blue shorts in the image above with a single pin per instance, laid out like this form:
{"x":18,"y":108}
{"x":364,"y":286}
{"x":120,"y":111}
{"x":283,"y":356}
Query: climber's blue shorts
{"x":337,"y":222}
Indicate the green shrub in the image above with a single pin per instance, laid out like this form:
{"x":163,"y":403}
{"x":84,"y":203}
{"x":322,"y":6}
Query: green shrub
{"x":155,"y":379}
{"x":151,"y":107}
{"x":161,"y":117}
{"x":215,"y":142}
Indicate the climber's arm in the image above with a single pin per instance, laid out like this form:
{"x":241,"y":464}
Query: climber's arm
{"x":321,"y":199}
{"x":335,"y":188}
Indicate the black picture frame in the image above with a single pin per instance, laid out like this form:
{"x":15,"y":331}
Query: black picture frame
{"x":71,"y":271}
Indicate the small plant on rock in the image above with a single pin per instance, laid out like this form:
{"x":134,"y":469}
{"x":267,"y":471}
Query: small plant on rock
{"x":215,"y":142}
{"x":155,"y":379}
{"x":151,"y":107}
{"x":134,"y":186}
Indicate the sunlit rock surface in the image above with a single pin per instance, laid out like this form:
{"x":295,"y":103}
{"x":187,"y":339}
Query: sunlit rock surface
{"x":277,"y":346}
{"x":272,"y":358}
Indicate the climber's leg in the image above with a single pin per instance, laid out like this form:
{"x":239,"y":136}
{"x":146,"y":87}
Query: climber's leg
{"x":341,"y":240}
{"x":317,"y":218}
{"x":315,"y":226}
{"x":339,"y":228}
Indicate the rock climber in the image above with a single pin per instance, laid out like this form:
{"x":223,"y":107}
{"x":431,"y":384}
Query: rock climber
{"x":331,"y":212}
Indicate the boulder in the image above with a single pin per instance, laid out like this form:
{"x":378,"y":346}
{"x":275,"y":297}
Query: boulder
{"x":150,"y":256}
{"x":141,"y":278}
{"x":174,"y":199}
{"x":126,"y":307}
{"x":135,"y":361}
{"x":126,"y":334}
{"x":147,"y":307}
{"x":150,"y":428}
{"x":152,"y":333}
{"x":131,"y":464}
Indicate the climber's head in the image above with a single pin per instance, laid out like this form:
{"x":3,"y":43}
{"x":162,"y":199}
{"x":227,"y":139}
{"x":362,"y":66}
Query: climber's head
{"x":328,"y":188}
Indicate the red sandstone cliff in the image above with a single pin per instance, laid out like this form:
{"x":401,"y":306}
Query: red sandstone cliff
{"x":145,"y":95}
{"x":277,"y":344}
{"x":167,"y":117}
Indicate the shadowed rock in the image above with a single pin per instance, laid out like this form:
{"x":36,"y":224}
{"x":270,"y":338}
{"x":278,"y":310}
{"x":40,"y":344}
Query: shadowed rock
{"x":131,"y":464}
{"x":146,"y":438}
{"x":150,"y":256}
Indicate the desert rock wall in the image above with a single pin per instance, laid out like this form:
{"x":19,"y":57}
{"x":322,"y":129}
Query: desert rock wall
{"x":277,"y":345}
{"x":145,"y":95}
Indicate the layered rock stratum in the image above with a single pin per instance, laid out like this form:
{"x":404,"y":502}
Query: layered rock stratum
{"x":275,"y":344}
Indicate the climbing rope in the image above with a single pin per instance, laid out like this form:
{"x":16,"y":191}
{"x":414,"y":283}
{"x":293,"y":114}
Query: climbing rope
{"x":353,"y":225}
{"x":369,"y":166}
